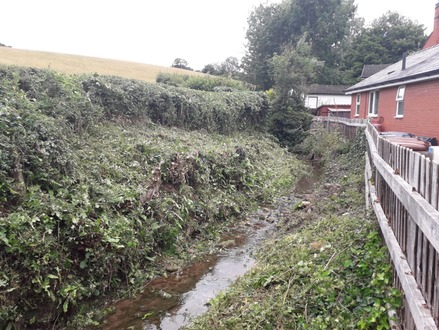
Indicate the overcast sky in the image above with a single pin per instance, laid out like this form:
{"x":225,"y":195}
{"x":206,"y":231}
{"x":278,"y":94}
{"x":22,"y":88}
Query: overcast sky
{"x":154,"y":31}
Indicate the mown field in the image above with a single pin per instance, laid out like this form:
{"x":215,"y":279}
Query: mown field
{"x":75,"y":64}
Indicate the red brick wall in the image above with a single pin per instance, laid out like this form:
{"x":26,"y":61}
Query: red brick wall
{"x":421,"y":113}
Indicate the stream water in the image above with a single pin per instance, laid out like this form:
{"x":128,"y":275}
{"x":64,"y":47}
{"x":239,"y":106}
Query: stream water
{"x":171,"y":302}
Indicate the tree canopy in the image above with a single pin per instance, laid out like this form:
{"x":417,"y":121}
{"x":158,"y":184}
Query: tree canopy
{"x":384,"y":41}
{"x":181,"y":63}
{"x":336,"y":35}
{"x":229,"y":68}
{"x":325,"y":24}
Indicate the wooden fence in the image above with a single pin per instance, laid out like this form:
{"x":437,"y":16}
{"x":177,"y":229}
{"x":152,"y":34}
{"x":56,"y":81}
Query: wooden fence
{"x":402,"y":186}
{"x":347,"y":127}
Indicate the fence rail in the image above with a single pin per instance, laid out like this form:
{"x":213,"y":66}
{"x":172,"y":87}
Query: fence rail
{"x":402,"y":186}
{"x":348,"y":127}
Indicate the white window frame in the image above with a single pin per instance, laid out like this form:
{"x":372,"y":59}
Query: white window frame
{"x":357,"y":105}
{"x":313,"y":102}
{"x":400,"y":94}
{"x":374,"y":97}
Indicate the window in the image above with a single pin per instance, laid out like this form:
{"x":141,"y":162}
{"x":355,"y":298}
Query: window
{"x":357,"y":105}
{"x":400,"y":101}
{"x":313,"y":102}
{"x":373,"y":103}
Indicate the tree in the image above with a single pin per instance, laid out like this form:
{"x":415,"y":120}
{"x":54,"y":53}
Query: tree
{"x":265,"y":37}
{"x":213,"y":69}
{"x":384,"y":42}
{"x":292,"y":71}
{"x":229,"y":68}
{"x":326,"y":24}
{"x":181,"y":64}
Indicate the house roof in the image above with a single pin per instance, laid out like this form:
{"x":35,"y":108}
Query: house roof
{"x":371,"y":69}
{"x":421,"y":65}
{"x":326,"y":89}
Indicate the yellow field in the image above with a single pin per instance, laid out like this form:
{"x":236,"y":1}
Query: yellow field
{"x":74,"y":64}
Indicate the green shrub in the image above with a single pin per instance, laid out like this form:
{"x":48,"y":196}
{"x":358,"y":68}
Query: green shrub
{"x":174,"y":106}
{"x":203,"y":83}
{"x":290,"y":126}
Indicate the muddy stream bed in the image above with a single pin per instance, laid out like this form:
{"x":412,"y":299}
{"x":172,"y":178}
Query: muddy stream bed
{"x":171,"y":302}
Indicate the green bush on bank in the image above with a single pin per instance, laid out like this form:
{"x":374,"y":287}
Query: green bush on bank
{"x":180,"y":107}
{"x":207,"y":83}
{"x":93,"y":191}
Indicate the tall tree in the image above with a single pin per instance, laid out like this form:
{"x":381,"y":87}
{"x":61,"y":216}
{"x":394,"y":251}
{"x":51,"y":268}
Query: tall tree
{"x":385,"y":41}
{"x":292,"y":71}
{"x":265,"y":36}
{"x":326,"y":24}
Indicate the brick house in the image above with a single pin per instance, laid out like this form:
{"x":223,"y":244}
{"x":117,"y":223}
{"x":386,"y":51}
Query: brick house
{"x":403,"y":96}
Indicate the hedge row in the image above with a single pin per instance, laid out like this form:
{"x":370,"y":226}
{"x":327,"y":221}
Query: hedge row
{"x":40,"y":109}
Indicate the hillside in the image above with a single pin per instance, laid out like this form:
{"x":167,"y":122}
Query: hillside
{"x":75,"y":64}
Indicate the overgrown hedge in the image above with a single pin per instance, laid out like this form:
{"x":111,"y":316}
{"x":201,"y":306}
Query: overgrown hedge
{"x":40,"y":109}
{"x":206,"y":83}
{"x":92,"y":190}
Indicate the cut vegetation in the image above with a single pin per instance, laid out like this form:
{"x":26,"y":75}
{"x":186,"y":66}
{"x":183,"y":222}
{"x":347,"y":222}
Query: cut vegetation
{"x":104,"y":181}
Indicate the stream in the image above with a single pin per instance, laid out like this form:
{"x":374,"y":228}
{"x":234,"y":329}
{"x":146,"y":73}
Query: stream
{"x":170,"y":303}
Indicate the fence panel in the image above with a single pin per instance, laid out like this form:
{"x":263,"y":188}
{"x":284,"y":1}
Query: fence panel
{"x":405,"y":198}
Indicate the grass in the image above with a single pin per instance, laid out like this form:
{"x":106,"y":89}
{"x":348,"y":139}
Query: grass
{"x":76,"y":64}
